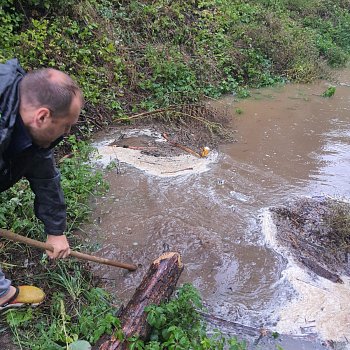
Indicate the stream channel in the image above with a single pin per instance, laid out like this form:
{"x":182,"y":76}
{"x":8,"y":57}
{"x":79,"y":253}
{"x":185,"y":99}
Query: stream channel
{"x":291,"y":142}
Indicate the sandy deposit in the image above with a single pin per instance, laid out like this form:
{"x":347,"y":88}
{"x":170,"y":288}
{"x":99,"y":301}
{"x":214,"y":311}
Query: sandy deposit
{"x":163,"y":166}
{"x":320,"y":306}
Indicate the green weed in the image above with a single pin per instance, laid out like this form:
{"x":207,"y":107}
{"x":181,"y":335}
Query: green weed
{"x":72,"y":282}
{"x":329,"y":92}
{"x":178,"y":325}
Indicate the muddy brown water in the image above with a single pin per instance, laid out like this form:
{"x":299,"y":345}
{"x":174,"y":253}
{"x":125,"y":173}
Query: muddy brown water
{"x":291,"y":142}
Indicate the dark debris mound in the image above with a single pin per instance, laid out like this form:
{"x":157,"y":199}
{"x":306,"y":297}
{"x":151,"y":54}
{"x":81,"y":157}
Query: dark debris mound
{"x":317,"y":233}
{"x":192,"y":125}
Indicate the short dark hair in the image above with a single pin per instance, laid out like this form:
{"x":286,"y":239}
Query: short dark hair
{"x":44,"y":88}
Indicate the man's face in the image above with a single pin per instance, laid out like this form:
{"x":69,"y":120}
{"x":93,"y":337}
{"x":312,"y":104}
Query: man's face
{"x":51,"y":128}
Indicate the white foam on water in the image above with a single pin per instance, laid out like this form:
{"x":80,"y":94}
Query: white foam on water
{"x":269,"y":229}
{"x":184,"y":164}
{"x":321,"y":306}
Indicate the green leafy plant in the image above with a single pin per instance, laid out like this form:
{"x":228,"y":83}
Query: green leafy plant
{"x":329,"y":92}
{"x":275,"y":335}
{"x":136,"y":55}
{"x":80,"y":345}
{"x":178,"y":325}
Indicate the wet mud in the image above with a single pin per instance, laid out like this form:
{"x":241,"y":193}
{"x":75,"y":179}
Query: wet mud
{"x":315,"y":232}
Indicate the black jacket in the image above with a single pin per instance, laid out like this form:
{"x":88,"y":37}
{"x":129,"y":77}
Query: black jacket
{"x":20,"y":158}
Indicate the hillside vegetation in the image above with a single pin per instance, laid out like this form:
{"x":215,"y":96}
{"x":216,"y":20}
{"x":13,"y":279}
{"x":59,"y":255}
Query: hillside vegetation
{"x":140,"y":55}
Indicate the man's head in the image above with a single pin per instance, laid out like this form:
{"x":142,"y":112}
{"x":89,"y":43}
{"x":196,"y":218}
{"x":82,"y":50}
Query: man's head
{"x":50,"y":103}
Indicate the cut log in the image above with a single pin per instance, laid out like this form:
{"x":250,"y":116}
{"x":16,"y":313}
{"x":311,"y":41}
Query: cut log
{"x":156,"y":287}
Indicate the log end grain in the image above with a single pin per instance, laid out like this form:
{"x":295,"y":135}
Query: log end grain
{"x":167,"y":256}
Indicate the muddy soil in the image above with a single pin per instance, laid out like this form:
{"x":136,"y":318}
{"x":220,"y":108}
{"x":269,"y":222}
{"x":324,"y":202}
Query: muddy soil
{"x":193,"y":126}
{"x":315,"y":232}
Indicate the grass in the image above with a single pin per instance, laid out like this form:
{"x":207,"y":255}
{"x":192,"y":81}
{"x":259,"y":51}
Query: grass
{"x":93,"y":317}
{"x":61,"y":325}
{"x":338,"y":224}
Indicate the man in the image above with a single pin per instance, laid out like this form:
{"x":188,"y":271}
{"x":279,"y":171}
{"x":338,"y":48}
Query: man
{"x":36,"y":110}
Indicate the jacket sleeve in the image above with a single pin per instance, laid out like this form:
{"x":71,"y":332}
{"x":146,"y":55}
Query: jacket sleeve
{"x":49,"y":203}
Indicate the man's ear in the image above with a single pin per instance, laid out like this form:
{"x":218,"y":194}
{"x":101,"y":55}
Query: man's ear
{"x":42,"y":116}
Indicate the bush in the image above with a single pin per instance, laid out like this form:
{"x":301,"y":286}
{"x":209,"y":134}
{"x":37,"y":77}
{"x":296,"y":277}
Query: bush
{"x":138,"y":54}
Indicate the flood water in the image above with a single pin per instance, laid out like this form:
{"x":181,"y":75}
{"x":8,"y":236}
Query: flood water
{"x":291,"y":142}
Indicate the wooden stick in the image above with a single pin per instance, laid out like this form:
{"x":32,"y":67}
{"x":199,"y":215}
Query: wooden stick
{"x":188,"y":150}
{"x":175,"y":171}
{"x":37,"y":244}
{"x":146,"y":114}
{"x":138,"y":148}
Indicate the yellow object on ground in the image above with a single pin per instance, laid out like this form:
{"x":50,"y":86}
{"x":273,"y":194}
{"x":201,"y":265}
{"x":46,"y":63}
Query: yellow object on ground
{"x":205,"y":151}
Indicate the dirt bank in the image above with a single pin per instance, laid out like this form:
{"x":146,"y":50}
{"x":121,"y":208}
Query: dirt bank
{"x":315,"y":232}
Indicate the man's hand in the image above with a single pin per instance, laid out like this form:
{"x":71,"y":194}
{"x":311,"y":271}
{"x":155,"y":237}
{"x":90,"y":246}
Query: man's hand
{"x":60,"y":245}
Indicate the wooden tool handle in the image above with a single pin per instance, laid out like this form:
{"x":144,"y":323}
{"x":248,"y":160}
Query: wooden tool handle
{"x":37,"y":244}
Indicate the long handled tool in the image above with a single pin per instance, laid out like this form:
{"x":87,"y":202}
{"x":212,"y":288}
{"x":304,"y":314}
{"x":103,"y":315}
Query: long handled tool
{"x":32,"y":242}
